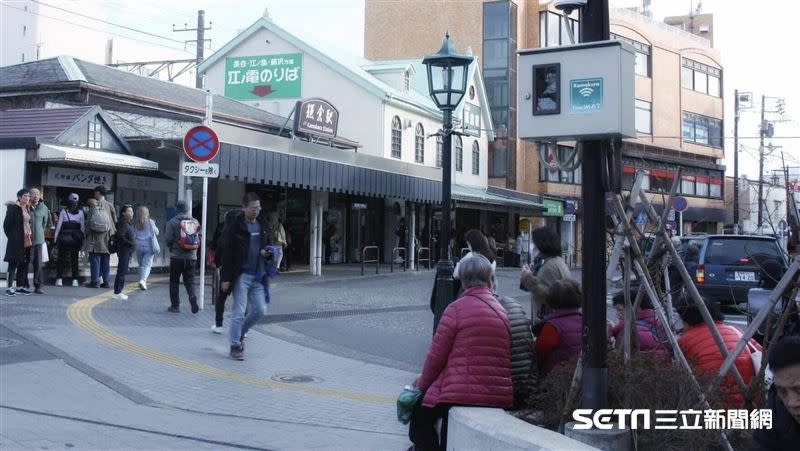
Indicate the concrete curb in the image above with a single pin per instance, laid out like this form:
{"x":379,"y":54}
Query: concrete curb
{"x":485,"y":429}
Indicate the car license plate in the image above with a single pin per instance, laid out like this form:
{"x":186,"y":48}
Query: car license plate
{"x":742,"y":276}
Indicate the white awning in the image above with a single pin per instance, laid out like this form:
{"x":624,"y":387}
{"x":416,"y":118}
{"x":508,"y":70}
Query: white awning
{"x":93,"y":158}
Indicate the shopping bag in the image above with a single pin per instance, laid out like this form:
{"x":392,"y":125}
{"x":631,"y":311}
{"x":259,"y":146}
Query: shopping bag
{"x":45,"y":254}
{"x":409,"y":398}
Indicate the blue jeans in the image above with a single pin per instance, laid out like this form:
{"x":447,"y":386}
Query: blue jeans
{"x":145,"y":260}
{"x":247,"y":290}
{"x":100,"y":263}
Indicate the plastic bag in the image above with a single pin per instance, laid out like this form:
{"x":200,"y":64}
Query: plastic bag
{"x":406,"y":402}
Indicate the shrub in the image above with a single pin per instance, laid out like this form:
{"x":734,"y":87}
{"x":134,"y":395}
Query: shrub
{"x":648,"y":384}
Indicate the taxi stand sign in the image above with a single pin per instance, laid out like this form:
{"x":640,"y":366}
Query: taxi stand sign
{"x":208,"y":170}
{"x":576,"y":92}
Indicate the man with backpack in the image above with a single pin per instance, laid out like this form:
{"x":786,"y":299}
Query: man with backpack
{"x":101,"y":227}
{"x":183,"y":240}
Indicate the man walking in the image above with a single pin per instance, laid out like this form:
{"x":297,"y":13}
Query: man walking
{"x":243,"y":268}
{"x":183,"y":240}
{"x":40,"y":215}
{"x":783,"y":399}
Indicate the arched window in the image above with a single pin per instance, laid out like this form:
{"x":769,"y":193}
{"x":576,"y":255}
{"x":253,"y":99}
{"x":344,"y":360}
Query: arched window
{"x":476,"y":158}
{"x":419,"y":145}
{"x":397,"y":139}
{"x":459,"y":153}
{"x":439,"y":150}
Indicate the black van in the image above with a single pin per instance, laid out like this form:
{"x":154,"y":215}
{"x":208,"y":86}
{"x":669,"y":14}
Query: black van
{"x":729,"y":265}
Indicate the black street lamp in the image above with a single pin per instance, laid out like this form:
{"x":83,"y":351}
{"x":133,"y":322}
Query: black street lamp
{"x":447,"y":83}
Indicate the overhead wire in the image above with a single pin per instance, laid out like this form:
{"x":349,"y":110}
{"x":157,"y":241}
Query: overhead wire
{"x":136,"y":30}
{"x":6,"y":5}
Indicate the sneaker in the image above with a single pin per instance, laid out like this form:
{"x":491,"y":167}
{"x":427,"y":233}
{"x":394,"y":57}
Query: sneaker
{"x":237,"y":353}
{"x":59,"y":282}
{"x":173,"y":309}
{"x":121,"y":296}
{"x":193,"y":302}
{"x":92,"y":285}
{"x":216,"y":329}
{"x":38,"y":291}
{"x":143,"y":285}
{"x":75,"y":283}
{"x":11,"y":292}
{"x":246,"y":334}
{"x":105,"y":285}
{"x":24,"y":291}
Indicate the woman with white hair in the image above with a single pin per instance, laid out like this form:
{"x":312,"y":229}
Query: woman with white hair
{"x":469,"y":361}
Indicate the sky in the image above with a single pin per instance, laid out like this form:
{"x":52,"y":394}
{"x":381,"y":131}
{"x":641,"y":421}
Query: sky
{"x":751,"y":36}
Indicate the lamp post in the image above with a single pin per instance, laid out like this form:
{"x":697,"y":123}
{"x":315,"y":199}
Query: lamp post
{"x":447,"y":83}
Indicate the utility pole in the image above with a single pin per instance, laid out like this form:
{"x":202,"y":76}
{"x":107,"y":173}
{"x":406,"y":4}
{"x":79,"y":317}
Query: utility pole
{"x":761,"y":163}
{"x":737,"y":228}
{"x":200,"y":42}
{"x":594,"y":27}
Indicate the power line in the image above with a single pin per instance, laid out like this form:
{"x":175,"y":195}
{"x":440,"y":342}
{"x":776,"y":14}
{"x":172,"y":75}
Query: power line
{"x":6,"y":5}
{"x":110,"y":23}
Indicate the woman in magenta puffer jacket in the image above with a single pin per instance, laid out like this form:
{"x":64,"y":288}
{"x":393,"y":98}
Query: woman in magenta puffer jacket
{"x":558,"y":337}
{"x":469,"y":362}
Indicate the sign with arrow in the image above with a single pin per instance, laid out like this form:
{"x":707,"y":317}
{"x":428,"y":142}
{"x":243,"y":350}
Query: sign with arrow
{"x":264,"y":77}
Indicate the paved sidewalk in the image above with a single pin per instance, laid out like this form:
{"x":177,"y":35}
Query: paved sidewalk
{"x":140,"y":377}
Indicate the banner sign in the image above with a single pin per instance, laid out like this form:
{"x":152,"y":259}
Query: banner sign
{"x":76,"y":178}
{"x":264,"y":77}
{"x":316,"y":117}
{"x":472,"y":119}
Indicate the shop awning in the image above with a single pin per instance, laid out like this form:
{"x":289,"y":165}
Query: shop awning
{"x":81,"y":156}
{"x":484,"y":196}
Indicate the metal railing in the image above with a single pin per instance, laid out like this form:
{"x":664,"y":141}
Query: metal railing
{"x":396,"y":255}
{"x":364,"y":259}
{"x":427,"y":259}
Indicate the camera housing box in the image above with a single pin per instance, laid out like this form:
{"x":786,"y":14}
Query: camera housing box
{"x":576,"y":92}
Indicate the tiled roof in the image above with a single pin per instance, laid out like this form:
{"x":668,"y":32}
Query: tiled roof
{"x":65,"y":69}
{"x":39,"y":123}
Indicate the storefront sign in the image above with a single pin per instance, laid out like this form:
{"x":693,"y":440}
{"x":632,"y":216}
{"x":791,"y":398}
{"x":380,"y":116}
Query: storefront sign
{"x":316,"y":117}
{"x":76,"y":178}
{"x":359,"y":206}
{"x":264,"y":77}
{"x":568,"y":218}
{"x":554,"y":207}
{"x":471,"y":118}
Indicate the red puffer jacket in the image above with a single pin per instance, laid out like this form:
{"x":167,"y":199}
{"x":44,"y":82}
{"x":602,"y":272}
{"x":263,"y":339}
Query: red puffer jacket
{"x":701,"y":351}
{"x":469,"y":362}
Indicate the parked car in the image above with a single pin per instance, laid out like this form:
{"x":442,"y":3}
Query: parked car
{"x":729,"y":265}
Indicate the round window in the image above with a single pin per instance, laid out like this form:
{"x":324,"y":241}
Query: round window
{"x":471,"y":92}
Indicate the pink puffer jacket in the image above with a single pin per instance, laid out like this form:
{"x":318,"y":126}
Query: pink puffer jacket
{"x":469,"y":362}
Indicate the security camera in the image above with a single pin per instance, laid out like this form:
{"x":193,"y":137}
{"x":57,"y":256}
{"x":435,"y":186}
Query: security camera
{"x":568,"y":5}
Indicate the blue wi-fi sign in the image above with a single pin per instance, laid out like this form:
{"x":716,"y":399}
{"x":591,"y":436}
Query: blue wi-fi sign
{"x":586,"y":95}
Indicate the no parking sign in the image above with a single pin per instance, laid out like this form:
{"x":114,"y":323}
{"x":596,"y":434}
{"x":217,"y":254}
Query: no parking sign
{"x":201,"y":144}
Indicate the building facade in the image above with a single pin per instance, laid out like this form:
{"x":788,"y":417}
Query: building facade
{"x":679,"y":105}
{"x":19,"y":32}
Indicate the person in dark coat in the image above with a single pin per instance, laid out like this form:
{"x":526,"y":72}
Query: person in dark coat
{"x":783,"y":399}
{"x":125,"y":242}
{"x":222,"y":295}
{"x":69,"y":237}
{"x":524,"y":368}
{"x":243,"y":273}
{"x":19,"y":240}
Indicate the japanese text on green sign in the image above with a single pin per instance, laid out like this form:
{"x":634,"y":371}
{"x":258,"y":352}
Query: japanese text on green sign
{"x":264,"y":77}
{"x":554,"y":207}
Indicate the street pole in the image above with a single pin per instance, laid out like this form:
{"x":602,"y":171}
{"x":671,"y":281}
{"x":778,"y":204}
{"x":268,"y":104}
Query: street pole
{"x":201,"y":33}
{"x":594,"y":27}
{"x":204,"y":214}
{"x":444,"y":268}
{"x":784,"y":234}
{"x":761,"y":164}
{"x":736,"y":161}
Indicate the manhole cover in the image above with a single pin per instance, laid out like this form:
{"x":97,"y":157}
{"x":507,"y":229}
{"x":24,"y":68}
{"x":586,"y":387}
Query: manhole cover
{"x":9,"y":342}
{"x":295,"y":378}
